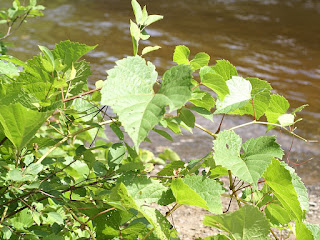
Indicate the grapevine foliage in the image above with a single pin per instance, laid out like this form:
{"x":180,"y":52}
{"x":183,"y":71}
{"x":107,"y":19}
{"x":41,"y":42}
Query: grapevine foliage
{"x":61,"y":178}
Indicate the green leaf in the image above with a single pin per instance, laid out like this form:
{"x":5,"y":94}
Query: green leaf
{"x":307,"y":231}
{"x":258,"y":154}
{"x":49,"y":56}
{"x":187,"y":117}
{"x":137,"y":11}
{"x":277,"y":214}
{"x":20,"y":124}
{"x":22,"y":220}
{"x":298,"y":109}
{"x":261,"y":99}
{"x":70,"y":52}
{"x":286,"y":120}
{"x":225,"y":69}
{"x":246,"y":223}
{"x":181,"y":55}
{"x":134,"y":31}
{"x":163,"y":134}
{"x":141,"y":190}
{"x":198,"y":191}
{"x":227,"y":148}
{"x":203,"y":112}
{"x":149,"y":49}
{"x":278,"y":106}
{"x":55,"y":217}
{"x":300,"y":188}
{"x":7,"y":68}
{"x":202,"y":99}
{"x":278,"y":178}
{"x":115,"y":155}
{"x":170,"y":168}
{"x":129,"y":91}
{"x":240,"y":93}
{"x":152,"y":18}
{"x":214,"y":81}
{"x":200,"y":60}
{"x":116,"y":129}
{"x":176,"y":86}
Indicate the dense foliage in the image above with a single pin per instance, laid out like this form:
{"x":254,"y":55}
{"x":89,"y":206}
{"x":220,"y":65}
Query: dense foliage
{"x":61,"y":178}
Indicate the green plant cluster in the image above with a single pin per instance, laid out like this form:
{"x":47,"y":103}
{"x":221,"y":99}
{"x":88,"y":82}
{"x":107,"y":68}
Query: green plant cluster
{"x":61,"y":178}
{"x":14,"y":17}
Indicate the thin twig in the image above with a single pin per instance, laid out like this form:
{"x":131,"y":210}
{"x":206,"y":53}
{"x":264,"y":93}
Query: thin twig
{"x":205,"y":130}
{"x":110,"y":209}
{"x":219,"y":128}
{"x":3,"y":140}
{"x":273,"y":124}
{"x":82,"y":94}
{"x":275,"y":236}
{"x":70,"y":136}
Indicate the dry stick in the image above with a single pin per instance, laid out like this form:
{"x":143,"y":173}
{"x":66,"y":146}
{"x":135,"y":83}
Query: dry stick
{"x":82,"y":94}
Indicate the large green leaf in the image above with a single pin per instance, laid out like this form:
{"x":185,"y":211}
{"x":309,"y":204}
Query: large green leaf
{"x":279,"y":179}
{"x":20,"y":124}
{"x":129,"y":91}
{"x":300,"y":188}
{"x":214,"y":81}
{"x":143,"y":190}
{"x":225,"y":69}
{"x":307,"y":231}
{"x":277,"y":214}
{"x":126,"y":199}
{"x":69,"y":52}
{"x":278,"y":106}
{"x":200,"y":60}
{"x":257,"y":155}
{"x":247,"y":223}
{"x":202,"y":99}
{"x":239,"y":95}
{"x":198,"y":191}
{"x":261,"y":98}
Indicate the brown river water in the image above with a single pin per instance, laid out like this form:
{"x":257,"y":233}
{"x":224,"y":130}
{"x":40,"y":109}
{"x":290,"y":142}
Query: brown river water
{"x":275,"y":40}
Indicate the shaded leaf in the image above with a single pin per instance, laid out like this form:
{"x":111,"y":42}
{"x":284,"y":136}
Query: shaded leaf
{"x":246,"y":223}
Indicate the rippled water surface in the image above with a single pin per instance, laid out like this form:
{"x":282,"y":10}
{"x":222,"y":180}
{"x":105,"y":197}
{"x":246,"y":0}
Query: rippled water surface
{"x":275,"y":40}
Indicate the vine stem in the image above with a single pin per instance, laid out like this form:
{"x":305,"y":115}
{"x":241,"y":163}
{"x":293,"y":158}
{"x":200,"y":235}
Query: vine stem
{"x":231,"y":187}
{"x":205,"y":130}
{"x":82,"y":94}
{"x":70,"y":136}
{"x":275,"y":236}
{"x":273,"y":124}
